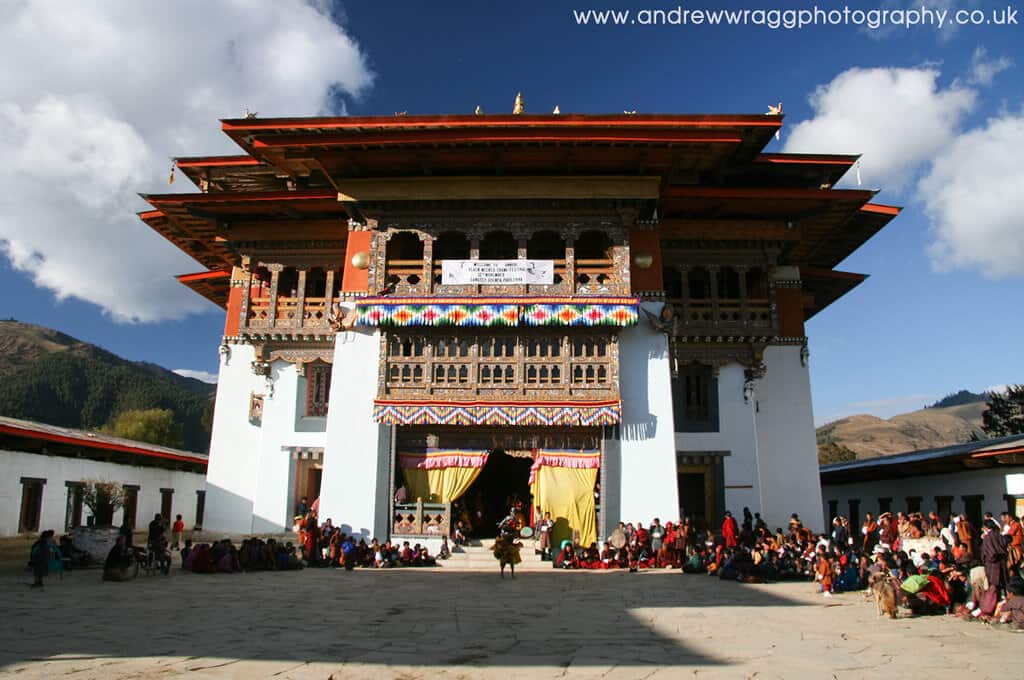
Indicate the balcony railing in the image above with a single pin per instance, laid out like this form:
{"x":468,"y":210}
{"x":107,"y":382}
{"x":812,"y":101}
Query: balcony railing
{"x":421,"y":519}
{"x":288,"y":315}
{"x":753,"y":314}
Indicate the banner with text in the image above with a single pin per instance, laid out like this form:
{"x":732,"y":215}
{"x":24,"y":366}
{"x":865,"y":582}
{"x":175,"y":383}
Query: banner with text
{"x":497,"y":272}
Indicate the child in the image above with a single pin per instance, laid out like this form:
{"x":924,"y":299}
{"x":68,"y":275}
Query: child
{"x":176,"y":530}
{"x":1011,"y":610}
{"x":185,"y":551}
{"x":823,"y":572}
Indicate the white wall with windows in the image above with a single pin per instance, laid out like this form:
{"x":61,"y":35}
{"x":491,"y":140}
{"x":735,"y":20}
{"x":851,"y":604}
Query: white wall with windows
{"x":51,"y":475}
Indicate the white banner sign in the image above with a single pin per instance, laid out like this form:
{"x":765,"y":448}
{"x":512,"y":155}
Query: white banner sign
{"x":497,"y":272}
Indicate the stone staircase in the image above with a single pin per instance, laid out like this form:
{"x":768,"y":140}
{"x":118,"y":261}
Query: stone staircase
{"x":478,"y":557}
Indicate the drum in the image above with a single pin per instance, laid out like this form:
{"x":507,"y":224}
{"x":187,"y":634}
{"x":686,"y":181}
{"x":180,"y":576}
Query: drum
{"x":618,"y":539}
{"x":526,"y":532}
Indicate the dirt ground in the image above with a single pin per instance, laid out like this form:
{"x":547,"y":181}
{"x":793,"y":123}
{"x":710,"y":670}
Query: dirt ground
{"x":430,"y":623}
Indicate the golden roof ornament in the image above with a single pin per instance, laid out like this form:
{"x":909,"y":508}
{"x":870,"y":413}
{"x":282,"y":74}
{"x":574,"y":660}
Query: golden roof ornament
{"x":557,"y":111}
{"x":518,"y":107}
{"x":479,"y":111}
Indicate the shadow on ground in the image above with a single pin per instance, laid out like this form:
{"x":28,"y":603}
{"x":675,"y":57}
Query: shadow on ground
{"x":407,"y":617}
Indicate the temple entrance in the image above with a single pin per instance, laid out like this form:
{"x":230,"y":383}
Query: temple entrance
{"x":503,"y":479}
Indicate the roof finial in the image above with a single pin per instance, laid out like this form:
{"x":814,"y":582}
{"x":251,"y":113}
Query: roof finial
{"x":775,"y":111}
{"x":170,"y":178}
{"x":479,"y":111}
{"x":557,"y":111}
{"x":518,"y":107}
{"x":251,"y":114}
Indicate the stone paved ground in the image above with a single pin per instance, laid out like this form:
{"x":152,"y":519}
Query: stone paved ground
{"x":443,"y":624}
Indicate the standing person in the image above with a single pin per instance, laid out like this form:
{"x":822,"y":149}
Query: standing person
{"x":657,"y":534}
{"x":993,"y":555}
{"x":965,"y":534}
{"x":155,"y":537}
{"x":302,"y":508}
{"x":823,"y":571}
{"x":544,"y":528}
{"x":1013,"y":529}
{"x":176,"y":530}
{"x":840,"y":534}
{"x":39,"y":557}
{"x":869,"y":534}
{"x":730,"y":530}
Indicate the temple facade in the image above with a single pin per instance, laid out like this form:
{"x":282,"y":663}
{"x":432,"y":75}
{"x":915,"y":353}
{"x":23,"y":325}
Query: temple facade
{"x":602,"y":316}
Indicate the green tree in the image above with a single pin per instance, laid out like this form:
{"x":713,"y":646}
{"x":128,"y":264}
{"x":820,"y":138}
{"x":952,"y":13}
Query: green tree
{"x":831,"y":452}
{"x":1005,"y":413}
{"x":155,"y":426}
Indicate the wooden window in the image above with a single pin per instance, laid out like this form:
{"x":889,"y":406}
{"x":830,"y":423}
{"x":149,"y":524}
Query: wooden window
{"x":854,"y":515}
{"x":944,"y":506}
{"x":31,"y":504}
{"x":73,"y":513}
{"x":913,"y":504}
{"x":318,"y":388}
{"x":200,"y":507}
{"x":833,"y":512}
{"x":884,"y":505}
{"x":695,"y":399}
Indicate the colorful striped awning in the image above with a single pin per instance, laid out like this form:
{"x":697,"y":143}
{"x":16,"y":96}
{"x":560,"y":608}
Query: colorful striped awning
{"x":489,"y":312}
{"x":524,"y":414}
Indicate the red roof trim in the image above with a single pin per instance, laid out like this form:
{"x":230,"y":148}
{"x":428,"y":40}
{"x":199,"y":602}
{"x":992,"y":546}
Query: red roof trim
{"x":244,"y":197}
{"x":204,"y":276}
{"x":822,"y":273}
{"x":98,"y":444}
{"x":1001,"y":452}
{"x":396,"y":137}
{"x":881,"y":209}
{"x":571,"y":120}
{"x":805,"y":159}
{"x":151,"y":215}
{"x":215,"y":161}
{"x":767,"y":192}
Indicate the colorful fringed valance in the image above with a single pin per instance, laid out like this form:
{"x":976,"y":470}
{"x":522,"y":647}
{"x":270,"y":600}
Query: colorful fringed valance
{"x":510,"y":413}
{"x":577,"y":460}
{"x":436,"y":460}
{"x":589,"y":311}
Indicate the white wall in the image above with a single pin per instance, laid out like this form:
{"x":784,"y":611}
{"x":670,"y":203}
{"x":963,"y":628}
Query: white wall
{"x":992,"y":483}
{"x":57,"y":470}
{"x":354,"y":490}
{"x":646,"y":467}
{"x":234,"y":445}
{"x":250,"y":478}
{"x":735,"y":435}
{"x":786,"y":445}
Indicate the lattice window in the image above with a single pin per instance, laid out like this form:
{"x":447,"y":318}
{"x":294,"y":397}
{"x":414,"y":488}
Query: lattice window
{"x":543,"y":374}
{"x":544,"y":347}
{"x":318,"y":388}
{"x":451,"y":374}
{"x":497,"y":374}
{"x":499,"y":347}
{"x":589,"y":347}
{"x":451,"y":348}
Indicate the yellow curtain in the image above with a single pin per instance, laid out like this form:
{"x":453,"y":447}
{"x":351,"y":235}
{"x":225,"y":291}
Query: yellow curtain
{"x":442,"y":485}
{"x":568,"y":494}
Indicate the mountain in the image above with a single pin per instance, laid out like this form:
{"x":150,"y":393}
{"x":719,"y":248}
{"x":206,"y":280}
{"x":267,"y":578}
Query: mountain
{"x":869,"y":436}
{"x":54,"y":378}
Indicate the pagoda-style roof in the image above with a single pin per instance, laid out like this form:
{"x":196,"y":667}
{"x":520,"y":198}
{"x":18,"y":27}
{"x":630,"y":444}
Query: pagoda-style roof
{"x":708,"y":179}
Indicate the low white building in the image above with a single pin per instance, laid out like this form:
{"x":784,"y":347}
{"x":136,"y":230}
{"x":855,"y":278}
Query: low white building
{"x":972,"y":478}
{"x":44,"y":467}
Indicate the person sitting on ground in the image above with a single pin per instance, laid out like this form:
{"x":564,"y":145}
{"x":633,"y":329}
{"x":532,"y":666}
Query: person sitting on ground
{"x":445,"y":551}
{"x":120,"y":564}
{"x":1011,"y":610}
{"x":186,"y":551}
{"x":566,"y":557}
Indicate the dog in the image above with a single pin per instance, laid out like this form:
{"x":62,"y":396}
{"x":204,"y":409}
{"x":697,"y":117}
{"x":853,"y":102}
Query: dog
{"x":886,"y":593}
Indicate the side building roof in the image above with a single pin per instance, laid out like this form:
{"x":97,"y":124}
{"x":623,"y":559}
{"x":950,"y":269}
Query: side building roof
{"x":944,"y":459}
{"x":32,"y":437}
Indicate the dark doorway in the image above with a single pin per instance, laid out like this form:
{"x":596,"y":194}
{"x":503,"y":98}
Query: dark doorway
{"x":200,"y":508}
{"x":131,"y":505}
{"x":503,"y":478}
{"x":166,"y":504}
{"x":693,"y":497}
{"x":31,"y":504}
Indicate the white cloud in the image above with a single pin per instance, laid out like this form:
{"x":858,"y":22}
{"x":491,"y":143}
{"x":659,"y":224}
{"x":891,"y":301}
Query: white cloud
{"x":880,"y":408}
{"x":94,"y":99}
{"x":896,"y":117}
{"x":974,"y":199}
{"x":984,"y":70}
{"x":205,"y":376}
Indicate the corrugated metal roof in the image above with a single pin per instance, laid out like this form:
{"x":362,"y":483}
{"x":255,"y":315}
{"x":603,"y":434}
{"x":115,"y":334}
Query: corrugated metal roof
{"x":952,"y":451}
{"x":94,"y":440}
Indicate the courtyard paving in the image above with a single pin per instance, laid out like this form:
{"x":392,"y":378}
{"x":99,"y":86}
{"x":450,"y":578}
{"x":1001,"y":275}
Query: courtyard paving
{"x":444,"y":624}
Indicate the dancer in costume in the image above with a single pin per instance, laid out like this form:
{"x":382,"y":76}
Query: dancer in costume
{"x":506,"y":545}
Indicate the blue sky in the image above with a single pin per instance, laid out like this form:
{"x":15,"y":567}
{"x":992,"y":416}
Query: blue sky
{"x":936,"y":113}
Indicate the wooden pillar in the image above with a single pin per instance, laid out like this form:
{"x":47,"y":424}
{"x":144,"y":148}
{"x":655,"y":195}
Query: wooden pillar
{"x":329,"y":291}
{"x":713,"y":283}
{"x":275,"y":272}
{"x":570,"y":264}
{"x":741,"y":272}
{"x":300,"y":300}
{"x":243,"y":320}
{"x":684,"y":288}
{"x":428,"y":263}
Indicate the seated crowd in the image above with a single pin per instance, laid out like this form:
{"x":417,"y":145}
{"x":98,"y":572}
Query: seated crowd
{"x":325,"y":545}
